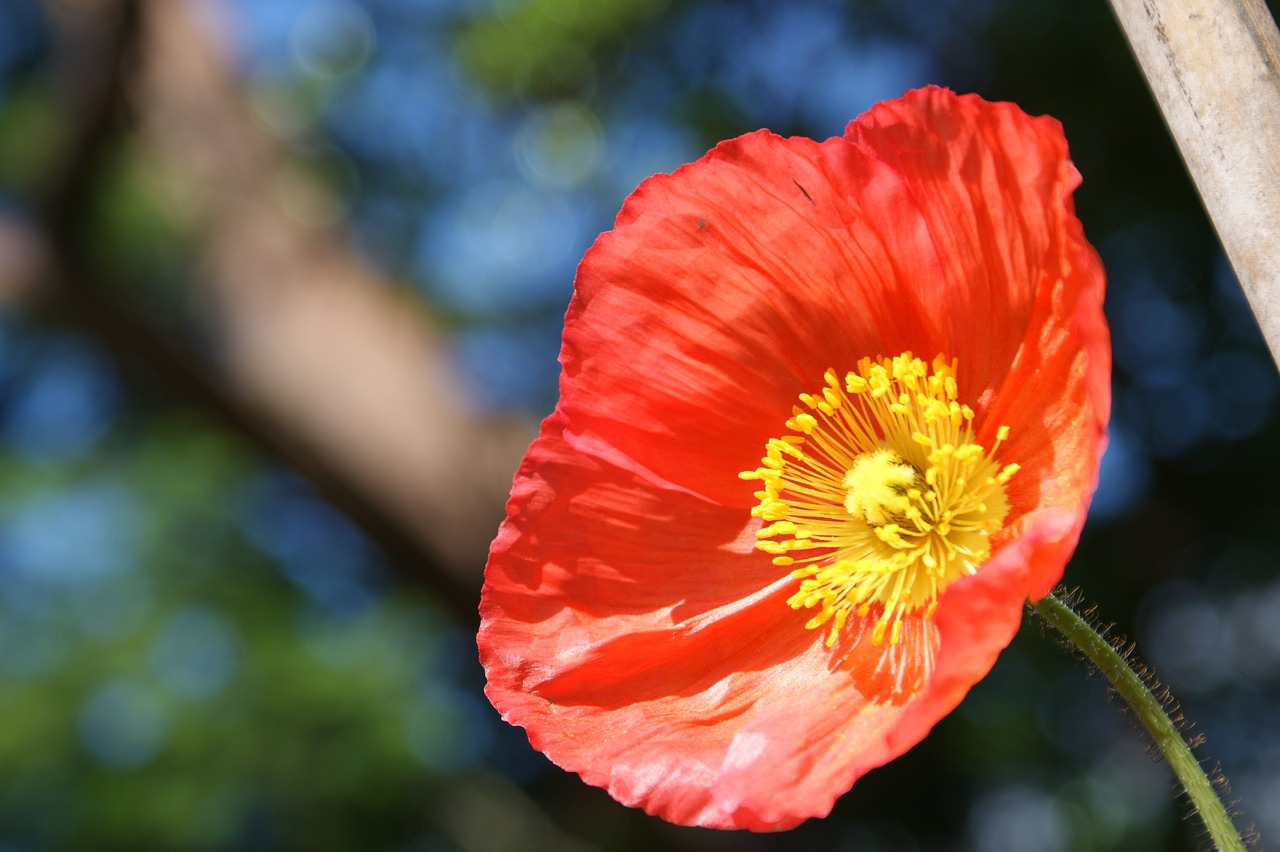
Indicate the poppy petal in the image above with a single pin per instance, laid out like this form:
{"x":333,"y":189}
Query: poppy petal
{"x":628,"y":623}
{"x":625,"y":673}
{"x":995,"y":185}
{"x":724,"y":291}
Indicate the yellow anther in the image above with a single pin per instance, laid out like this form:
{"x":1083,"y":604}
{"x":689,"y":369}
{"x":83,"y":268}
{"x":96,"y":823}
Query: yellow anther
{"x":805,"y":423}
{"x":890,"y":501}
{"x":783,"y":447}
{"x":780,"y":528}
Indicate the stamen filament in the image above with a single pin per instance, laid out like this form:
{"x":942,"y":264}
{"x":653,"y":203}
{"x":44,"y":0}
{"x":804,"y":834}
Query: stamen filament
{"x":883,"y":498}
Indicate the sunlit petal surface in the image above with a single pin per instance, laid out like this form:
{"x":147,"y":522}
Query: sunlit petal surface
{"x":633,"y":620}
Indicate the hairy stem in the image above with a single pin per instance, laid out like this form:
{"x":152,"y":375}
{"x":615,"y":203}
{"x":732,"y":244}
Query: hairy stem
{"x":1151,"y":712}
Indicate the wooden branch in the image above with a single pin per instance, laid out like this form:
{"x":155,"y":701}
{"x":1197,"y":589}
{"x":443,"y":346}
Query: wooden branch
{"x":66,"y":297}
{"x":325,"y":347}
{"x":1214,"y":68}
{"x":324,"y":365}
{"x":331,"y":353}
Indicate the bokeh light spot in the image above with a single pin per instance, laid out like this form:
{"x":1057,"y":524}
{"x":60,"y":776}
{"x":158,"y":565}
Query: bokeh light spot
{"x":560,"y":146}
{"x":332,"y":38}
{"x":196,"y":653}
{"x":71,"y":537}
{"x":62,"y":402}
{"x":1123,"y":479}
{"x":124,"y":724}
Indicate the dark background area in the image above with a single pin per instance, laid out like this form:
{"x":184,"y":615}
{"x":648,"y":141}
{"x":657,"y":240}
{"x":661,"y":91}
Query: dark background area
{"x":280,"y":294}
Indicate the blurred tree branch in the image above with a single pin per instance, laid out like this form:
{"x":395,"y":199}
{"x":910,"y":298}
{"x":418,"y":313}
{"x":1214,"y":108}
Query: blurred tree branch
{"x":320,"y":361}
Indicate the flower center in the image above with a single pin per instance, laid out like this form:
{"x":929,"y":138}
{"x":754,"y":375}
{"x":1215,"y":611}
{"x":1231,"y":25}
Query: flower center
{"x":880,"y":498}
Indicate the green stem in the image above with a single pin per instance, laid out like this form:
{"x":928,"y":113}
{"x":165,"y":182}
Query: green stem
{"x":1151,"y":713}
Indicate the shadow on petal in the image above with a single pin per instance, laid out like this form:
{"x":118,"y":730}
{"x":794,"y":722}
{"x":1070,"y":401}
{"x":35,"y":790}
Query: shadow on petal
{"x":888,"y":673}
{"x":712,"y":655}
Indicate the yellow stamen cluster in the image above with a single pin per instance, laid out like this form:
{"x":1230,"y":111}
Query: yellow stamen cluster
{"x":880,"y":498}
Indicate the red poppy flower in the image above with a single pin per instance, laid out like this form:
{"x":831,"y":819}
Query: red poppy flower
{"x":730,"y":640}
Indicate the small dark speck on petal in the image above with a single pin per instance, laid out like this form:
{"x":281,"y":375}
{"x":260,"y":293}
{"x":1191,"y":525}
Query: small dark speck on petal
{"x":805,"y":191}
